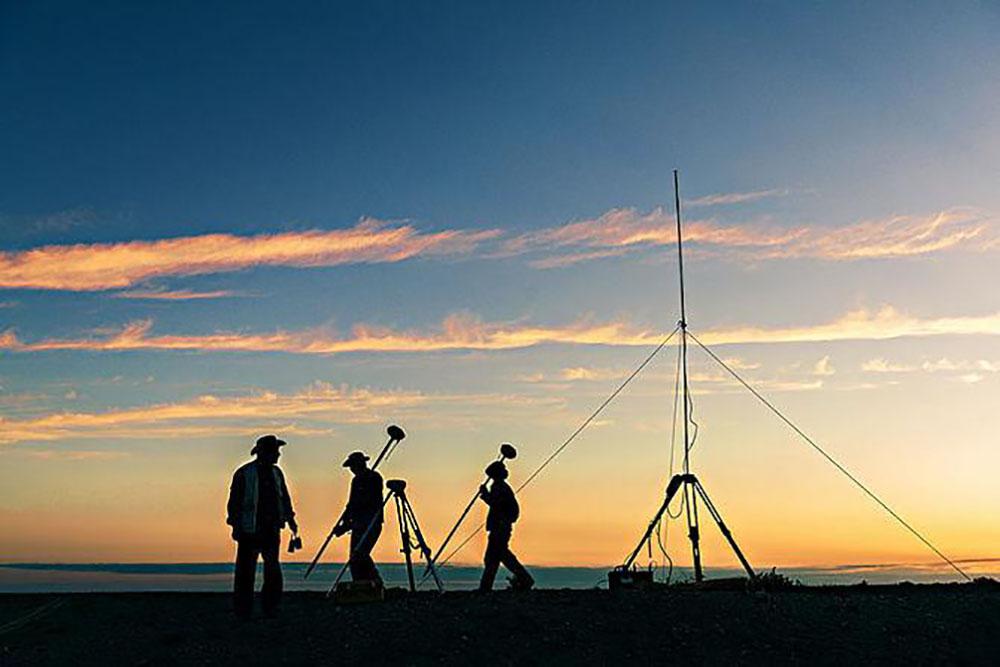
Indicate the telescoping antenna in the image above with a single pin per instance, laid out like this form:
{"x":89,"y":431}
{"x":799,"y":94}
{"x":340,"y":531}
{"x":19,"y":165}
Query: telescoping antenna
{"x":686,"y":483}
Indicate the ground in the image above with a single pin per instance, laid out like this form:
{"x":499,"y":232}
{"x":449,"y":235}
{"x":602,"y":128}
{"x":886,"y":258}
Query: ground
{"x":846,"y":625}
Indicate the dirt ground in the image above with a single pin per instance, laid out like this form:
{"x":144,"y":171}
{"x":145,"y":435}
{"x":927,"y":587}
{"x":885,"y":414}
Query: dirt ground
{"x":910,"y":624}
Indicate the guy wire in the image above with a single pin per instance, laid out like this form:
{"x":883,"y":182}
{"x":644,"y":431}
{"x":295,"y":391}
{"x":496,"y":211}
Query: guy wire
{"x":829,"y":458}
{"x":586,"y":422}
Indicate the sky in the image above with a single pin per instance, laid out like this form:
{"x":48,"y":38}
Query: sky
{"x":317,"y":219}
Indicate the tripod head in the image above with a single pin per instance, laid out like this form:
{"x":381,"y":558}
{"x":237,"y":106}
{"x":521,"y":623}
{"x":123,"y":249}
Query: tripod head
{"x":396,"y":485}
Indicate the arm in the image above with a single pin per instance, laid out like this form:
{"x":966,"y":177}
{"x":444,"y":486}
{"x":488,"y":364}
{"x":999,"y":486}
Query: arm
{"x":343,"y":525}
{"x":287,"y":509}
{"x":234,"y":507}
{"x":485,"y":495}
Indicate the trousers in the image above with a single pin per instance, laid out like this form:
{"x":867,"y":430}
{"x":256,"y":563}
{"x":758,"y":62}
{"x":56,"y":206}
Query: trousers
{"x":498,"y":553}
{"x":361,"y":563}
{"x":249,"y":548}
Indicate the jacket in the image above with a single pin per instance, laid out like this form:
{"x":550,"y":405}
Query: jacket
{"x":504,"y":510}
{"x":365,"y":500}
{"x":241,"y":510}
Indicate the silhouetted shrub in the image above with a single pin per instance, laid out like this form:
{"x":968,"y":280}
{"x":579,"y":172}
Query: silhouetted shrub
{"x":773,"y":581}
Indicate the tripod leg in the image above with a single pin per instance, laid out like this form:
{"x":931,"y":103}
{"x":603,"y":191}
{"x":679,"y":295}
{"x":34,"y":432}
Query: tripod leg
{"x":425,"y":550}
{"x":725,"y":531}
{"x":404,"y":536}
{"x":672,"y":487}
{"x":691,"y":509}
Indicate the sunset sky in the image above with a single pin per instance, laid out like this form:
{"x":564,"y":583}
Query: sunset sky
{"x":318,"y":219}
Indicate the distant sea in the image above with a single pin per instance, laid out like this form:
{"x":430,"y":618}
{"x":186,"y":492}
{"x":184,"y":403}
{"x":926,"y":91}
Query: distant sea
{"x":137,"y":577}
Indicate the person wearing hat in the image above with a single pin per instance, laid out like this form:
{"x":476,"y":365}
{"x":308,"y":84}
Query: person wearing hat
{"x":259,"y":507}
{"x":503,"y":512}
{"x":363,"y":517}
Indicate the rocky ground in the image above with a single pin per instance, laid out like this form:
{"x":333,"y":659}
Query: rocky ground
{"x":847,"y":625}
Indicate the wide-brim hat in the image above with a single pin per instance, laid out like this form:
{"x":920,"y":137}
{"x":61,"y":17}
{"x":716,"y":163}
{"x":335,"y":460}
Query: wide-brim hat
{"x":267,"y":443}
{"x":496,"y":469}
{"x":355,"y":457}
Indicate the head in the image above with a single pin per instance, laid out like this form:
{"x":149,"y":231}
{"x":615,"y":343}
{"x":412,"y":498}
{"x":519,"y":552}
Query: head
{"x":497,"y":470}
{"x":268,"y":449}
{"x":357,"y":462}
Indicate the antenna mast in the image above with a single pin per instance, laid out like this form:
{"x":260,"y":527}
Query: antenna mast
{"x":690,"y":494}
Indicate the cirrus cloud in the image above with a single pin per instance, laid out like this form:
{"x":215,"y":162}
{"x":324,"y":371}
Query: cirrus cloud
{"x":309,"y":411}
{"x":625,"y":230}
{"x":104,"y":266}
{"x":465,"y":332}
{"x":456,"y":332}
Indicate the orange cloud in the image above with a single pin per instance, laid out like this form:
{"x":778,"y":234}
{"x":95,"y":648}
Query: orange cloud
{"x":624,"y":230}
{"x":625,"y":227}
{"x":885,"y":324}
{"x":898,"y":236}
{"x":734,"y":198}
{"x":307,"y":412}
{"x":320,"y":399}
{"x":102,"y":266}
{"x":457,"y":332}
{"x":466,"y":332}
{"x":174,"y":295}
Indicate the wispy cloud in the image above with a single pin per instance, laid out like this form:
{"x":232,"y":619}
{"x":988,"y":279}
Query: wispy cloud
{"x":303,"y":412}
{"x":467,"y":332}
{"x":880,"y":365}
{"x":620,"y":231}
{"x":728,"y":198}
{"x":897,"y":236}
{"x":60,"y":221}
{"x":75,"y":455}
{"x":823,"y":367}
{"x":103,"y":266}
{"x":969,"y":372}
{"x":625,"y":228}
{"x":885,"y":324}
{"x":457,"y":332}
{"x":948,"y":365}
{"x":175,"y":295}
{"x":262,"y":408}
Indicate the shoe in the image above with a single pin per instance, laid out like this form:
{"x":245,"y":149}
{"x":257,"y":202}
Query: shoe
{"x":519,"y":584}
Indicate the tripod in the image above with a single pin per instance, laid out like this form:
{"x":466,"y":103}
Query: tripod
{"x":686,"y":481}
{"x":409,"y":534}
{"x":691,"y":486}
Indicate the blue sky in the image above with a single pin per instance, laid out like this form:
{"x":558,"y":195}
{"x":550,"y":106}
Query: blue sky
{"x":839,"y":133}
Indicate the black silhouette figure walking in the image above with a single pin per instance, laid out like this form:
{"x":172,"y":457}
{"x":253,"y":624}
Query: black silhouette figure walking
{"x":259,"y":507}
{"x":504,"y":511}
{"x":364,"y":509}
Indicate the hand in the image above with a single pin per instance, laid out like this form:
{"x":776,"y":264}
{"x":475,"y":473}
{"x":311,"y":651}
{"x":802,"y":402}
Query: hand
{"x":339,"y":529}
{"x":294,"y":526}
{"x":483,"y":491}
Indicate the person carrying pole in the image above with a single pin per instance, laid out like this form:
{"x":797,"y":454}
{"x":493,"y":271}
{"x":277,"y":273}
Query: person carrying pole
{"x":363,"y":518}
{"x":259,"y":507}
{"x":503,"y":512}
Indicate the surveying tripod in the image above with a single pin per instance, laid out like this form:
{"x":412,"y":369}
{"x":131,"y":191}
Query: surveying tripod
{"x":409,"y":530}
{"x":690,"y":482}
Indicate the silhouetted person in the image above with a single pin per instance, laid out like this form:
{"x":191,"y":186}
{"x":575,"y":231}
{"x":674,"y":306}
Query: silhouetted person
{"x":363,"y":517}
{"x":504,"y":511}
{"x":259,"y":507}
